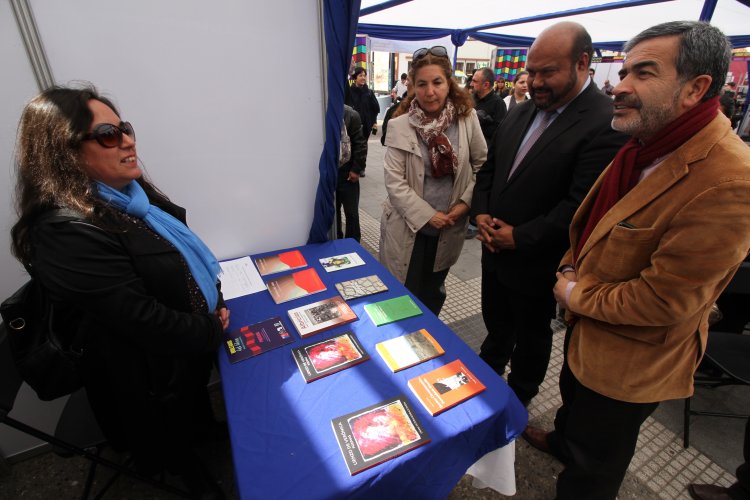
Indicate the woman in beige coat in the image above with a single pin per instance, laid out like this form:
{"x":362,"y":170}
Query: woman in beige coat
{"x":435,"y":147}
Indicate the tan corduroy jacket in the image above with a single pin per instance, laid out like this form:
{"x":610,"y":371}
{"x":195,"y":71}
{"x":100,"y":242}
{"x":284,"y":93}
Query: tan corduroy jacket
{"x":654,"y":264}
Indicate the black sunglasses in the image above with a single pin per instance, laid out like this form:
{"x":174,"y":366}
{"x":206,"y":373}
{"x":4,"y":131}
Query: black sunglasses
{"x":437,"y":50}
{"x":110,"y":136}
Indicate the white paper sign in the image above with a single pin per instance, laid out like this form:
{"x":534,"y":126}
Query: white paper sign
{"x":239,"y":277}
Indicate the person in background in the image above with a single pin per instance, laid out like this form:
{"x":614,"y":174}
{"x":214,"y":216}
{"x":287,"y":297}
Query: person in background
{"x":544,"y":158}
{"x":135,"y":284}
{"x":520,"y":90}
{"x":592,"y":72}
{"x":363,"y":101}
{"x":347,"y":185}
{"x":608,"y":88}
{"x":640,"y":276}
{"x":400,"y":88}
{"x":501,"y":88}
{"x":434,"y":147}
{"x":728,"y":102}
{"x":489,"y":106}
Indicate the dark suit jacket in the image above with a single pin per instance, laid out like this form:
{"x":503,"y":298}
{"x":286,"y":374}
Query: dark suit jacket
{"x":546,"y":188}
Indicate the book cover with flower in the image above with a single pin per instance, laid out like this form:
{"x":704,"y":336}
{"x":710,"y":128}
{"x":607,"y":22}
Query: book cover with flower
{"x":329,"y":356}
{"x":377,"y":433}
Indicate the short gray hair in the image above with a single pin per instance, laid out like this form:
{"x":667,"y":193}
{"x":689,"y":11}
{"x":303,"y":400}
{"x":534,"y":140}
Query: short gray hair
{"x":703,"y":50}
{"x":487,"y":74}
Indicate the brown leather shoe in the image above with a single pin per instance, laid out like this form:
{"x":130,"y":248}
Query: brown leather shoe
{"x":537,"y":438}
{"x":708,"y":492}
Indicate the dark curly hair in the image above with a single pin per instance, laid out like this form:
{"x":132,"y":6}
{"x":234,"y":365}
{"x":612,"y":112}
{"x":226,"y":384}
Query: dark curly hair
{"x":462,"y":100}
{"x":48,"y":171}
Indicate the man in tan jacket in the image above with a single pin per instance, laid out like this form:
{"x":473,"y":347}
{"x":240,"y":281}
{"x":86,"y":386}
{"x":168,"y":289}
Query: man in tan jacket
{"x":654,"y":243}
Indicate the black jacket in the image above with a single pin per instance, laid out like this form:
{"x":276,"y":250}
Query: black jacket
{"x":366,"y":104}
{"x":148,"y":346}
{"x":358,"y":161}
{"x":491,"y":110}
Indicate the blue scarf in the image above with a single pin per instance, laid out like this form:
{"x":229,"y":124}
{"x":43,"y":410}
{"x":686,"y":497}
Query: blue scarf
{"x":202,"y":264}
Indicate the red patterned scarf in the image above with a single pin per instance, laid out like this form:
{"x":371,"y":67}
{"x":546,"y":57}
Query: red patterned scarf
{"x":432,"y":132}
{"x":633,"y":157}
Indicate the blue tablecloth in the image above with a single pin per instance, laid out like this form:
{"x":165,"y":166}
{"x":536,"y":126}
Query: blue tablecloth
{"x":280,"y":427}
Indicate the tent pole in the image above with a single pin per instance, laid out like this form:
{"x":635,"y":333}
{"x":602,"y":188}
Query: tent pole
{"x":33,"y":43}
{"x":455,"y":56}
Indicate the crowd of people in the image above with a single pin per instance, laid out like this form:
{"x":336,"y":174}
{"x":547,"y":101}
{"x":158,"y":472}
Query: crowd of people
{"x":595,"y":202}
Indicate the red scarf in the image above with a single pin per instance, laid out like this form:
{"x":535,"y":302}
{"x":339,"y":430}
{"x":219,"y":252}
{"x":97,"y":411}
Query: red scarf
{"x":633,"y":157}
{"x":432,"y":131}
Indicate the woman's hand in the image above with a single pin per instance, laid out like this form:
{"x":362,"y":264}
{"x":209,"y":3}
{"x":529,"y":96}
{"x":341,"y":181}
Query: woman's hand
{"x":440,"y":220}
{"x":223,"y":315}
{"x":458,"y":211}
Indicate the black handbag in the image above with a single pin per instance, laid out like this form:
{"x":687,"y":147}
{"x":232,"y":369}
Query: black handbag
{"x":43,"y":350}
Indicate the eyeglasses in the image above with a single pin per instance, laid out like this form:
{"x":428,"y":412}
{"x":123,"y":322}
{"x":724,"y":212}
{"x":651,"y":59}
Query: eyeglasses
{"x":110,"y":136}
{"x":437,"y":50}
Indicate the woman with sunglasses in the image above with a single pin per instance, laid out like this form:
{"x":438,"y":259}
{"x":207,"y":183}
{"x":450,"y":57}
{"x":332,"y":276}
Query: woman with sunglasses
{"x":136,"y":288}
{"x":434,"y":148}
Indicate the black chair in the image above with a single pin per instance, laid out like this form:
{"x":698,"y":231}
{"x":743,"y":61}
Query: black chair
{"x":77,"y":432}
{"x":727,"y":354}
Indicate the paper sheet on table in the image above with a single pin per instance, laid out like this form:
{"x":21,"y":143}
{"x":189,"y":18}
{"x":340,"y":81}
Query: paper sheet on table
{"x":240,"y":277}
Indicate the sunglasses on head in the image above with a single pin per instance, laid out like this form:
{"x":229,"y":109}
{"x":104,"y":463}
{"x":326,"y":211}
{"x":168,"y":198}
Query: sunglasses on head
{"x":110,"y":136}
{"x":437,"y":50}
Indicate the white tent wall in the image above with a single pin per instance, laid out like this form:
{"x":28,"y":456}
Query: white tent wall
{"x":233,"y":141}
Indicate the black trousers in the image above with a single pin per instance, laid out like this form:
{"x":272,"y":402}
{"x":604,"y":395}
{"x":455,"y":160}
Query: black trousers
{"x":347,"y":196}
{"x":518,"y":330}
{"x":741,"y":489}
{"x":428,"y":286}
{"x":595,"y":437}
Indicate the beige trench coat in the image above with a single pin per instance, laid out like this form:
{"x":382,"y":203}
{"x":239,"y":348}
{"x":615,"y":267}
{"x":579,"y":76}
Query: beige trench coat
{"x":405,"y":212}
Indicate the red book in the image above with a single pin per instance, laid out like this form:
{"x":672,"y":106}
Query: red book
{"x":283,"y":261}
{"x":295,"y":285}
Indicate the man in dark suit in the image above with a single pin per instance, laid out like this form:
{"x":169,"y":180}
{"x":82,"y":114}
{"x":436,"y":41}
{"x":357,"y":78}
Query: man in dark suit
{"x":546,"y":155}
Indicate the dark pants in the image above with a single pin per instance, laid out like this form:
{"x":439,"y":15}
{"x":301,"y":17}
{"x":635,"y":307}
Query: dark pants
{"x":741,"y":489}
{"x":428,"y":286}
{"x":595,"y":437}
{"x":518,"y":330}
{"x":347,"y":195}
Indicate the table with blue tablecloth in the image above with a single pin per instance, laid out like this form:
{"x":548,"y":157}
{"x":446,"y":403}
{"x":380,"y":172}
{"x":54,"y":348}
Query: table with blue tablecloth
{"x":282,"y":441}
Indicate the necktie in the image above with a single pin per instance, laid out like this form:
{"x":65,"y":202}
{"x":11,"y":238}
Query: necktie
{"x":535,"y":135}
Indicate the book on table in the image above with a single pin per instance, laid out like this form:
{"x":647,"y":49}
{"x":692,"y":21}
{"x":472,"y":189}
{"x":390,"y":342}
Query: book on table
{"x":361,"y":287}
{"x":388,"y":311}
{"x":338,"y":262}
{"x":321,"y":315}
{"x":408,"y":350}
{"x":445,"y":387}
{"x":284,"y":261}
{"x":377,"y":433}
{"x":329,"y":356}
{"x":252,"y":340}
{"x":295,"y":285}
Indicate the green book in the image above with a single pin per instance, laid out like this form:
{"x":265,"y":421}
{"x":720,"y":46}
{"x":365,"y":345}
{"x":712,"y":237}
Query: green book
{"x":388,"y":311}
